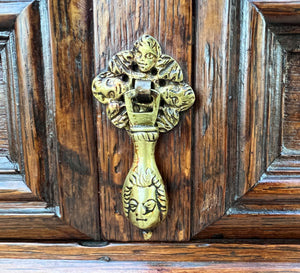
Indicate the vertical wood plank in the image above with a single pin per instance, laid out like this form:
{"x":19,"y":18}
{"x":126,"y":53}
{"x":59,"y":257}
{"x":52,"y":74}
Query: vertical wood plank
{"x":210,"y":111}
{"x":117,"y":25}
{"x":72,"y":43}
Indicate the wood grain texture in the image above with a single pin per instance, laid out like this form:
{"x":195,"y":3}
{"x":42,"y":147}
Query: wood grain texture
{"x":291,"y":120}
{"x":33,"y":221}
{"x":76,"y":145}
{"x":210,"y":111}
{"x":66,"y":266}
{"x":117,"y":25}
{"x":285,"y":165}
{"x":32,"y":100}
{"x":275,"y":189}
{"x":157,"y":252}
{"x":262,"y":224}
{"x":12,"y":187}
{"x":258,"y":204}
{"x":10,"y":77}
{"x":3,"y":115}
{"x":253,"y":101}
{"x":279,"y":12}
{"x":259,"y":102}
{"x":9,"y":10}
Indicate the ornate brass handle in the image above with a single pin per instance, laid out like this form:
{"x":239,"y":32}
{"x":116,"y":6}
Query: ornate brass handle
{"x":145,"y":92}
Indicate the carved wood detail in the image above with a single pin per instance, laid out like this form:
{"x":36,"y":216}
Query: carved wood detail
{"x":264,"y":199}
{"x":36,"y":201}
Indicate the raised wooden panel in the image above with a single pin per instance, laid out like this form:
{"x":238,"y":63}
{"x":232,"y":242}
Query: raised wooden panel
{"x":209,"y":120}
{"x":72,"y":46}
{"x":49,"y":188}
{"x":116,"y":29}
{"x":264,"y":199}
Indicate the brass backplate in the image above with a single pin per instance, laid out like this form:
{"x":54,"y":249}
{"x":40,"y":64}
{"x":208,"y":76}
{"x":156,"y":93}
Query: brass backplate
{"x":144,"y":92}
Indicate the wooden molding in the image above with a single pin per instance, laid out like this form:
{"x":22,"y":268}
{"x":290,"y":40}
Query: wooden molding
{"x":279,"y":12}
{"x":46,"y":266}
{"x":156,"y":252}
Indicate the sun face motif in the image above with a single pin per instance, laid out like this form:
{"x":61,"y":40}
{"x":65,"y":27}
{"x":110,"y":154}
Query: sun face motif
{"x":143,"y":208}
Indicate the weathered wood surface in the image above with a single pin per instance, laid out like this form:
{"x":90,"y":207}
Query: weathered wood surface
{"x":12,"y":187}
{"x":260,"y":100}
{"x":117,"y":25}
{"x":157,"y":252}
{"x":246,"y":224}
{"x":211,"y":80}
{"x":9,"y":10}
{"x":33,"y":221}
{"x":72,"y":47}
{"x":291,"y":121}
{"x":3,"y":115}
{"x":259,"y":204}
{"x":212,"y":162}
{"x":279,"y":11}
{"x":66,"y":266}
{"x":31,"y":97}
{"x":10,"y":78}
{"x":71,"y":198}
{"x":234,"y":145}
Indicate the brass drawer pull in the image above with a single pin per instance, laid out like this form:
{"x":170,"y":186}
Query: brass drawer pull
{"x":145,"y":92}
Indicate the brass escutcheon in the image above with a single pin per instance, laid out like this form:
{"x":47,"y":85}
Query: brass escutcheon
{"x":145,"y":92}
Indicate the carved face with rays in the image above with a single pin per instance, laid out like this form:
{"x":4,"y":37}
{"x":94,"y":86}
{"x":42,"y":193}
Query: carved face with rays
{"x":143,"y":208}
{"x":145,"y":201}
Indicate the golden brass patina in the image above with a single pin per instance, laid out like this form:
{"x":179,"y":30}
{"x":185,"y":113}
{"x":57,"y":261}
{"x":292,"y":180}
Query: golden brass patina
{"x":145,"y":92}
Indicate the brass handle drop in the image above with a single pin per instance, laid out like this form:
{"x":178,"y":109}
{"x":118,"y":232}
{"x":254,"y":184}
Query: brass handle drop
{"x":145,"y":92}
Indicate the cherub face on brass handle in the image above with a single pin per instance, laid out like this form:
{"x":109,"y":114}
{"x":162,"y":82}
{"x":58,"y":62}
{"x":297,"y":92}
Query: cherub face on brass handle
{"x":145,"y":92}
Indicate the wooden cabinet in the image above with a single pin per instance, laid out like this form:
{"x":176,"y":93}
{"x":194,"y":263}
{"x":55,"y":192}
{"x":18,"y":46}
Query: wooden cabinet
{"x":231,"y":166}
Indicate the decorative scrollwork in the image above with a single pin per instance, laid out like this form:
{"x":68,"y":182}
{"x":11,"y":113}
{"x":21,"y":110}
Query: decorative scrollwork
{"x":145,"y":92}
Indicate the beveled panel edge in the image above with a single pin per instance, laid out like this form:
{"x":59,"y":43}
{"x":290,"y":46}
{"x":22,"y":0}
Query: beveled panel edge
{"x":9,"y":10}
{"x":279,"y":12}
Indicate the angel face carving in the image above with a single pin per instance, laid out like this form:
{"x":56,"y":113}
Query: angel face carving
{"x":146,"y":53}
{"x":107,"y":88}
{"x":178,"y":96}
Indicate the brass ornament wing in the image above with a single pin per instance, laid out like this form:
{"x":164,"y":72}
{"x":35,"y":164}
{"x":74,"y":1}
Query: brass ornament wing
{"x":144,"y":92}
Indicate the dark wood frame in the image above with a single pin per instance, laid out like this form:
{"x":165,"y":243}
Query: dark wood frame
{"x":38,"y":203}
{"x":262,"y":199}
{"x":247,"y":204}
